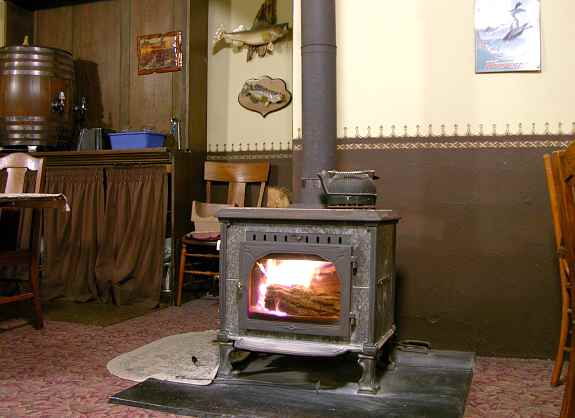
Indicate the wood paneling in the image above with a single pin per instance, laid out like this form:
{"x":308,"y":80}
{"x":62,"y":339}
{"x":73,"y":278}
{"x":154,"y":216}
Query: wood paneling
{"x":19,"y":23}
{"x":180,"y":79}
{"x":103,"y":37}
{"x":46,"y":4}
{"x":54,"y":28}
{"x":97,"y":53}
{"x":125,"y":62}
{"x":198,"y":75}
{"x":150,"y":95}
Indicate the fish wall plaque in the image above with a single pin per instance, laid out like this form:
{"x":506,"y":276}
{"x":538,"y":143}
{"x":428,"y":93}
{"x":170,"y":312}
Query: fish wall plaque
{"x":260,"y":37}
{"x":264,"y":95}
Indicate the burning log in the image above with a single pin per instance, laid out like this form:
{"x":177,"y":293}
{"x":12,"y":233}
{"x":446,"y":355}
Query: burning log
{"x":302,"y":301}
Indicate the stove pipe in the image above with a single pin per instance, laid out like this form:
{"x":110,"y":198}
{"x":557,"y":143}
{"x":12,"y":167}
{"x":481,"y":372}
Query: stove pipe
{"x":319,"y":104}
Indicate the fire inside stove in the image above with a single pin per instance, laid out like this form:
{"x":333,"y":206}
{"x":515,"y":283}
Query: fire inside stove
{"x":295,"y":287}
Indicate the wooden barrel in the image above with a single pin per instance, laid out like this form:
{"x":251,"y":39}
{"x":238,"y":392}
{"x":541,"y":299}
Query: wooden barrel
{"x":36,"y":95}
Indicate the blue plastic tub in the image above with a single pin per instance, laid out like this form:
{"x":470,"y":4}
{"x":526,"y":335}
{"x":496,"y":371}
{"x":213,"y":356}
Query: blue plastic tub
{"x":136,"y":139}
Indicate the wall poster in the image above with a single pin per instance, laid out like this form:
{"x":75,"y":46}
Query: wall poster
{"x":160,"y":53}
{"x":507,"y":36}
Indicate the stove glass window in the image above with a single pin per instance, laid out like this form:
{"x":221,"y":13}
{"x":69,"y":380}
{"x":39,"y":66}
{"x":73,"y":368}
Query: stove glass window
{"x":295,"y":287}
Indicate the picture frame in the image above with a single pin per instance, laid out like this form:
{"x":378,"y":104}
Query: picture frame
{"x":160,"y":53}
{"x":507,"y":36}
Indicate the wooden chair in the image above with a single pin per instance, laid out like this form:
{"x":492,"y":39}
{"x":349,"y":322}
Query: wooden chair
{"x":194,"y":251}
{"x":566,"y":174}
{"x":554,"y":187}
{"x":27,"y":247}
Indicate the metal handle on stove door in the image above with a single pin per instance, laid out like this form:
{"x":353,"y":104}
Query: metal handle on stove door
{"x":352,"y":319}
{"x":240,"y":288}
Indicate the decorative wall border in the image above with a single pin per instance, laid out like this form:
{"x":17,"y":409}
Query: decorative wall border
{"x":407,"y":144}
{"x":253,"y":146}
{"x":430,"y":137}
{"x":242,"y":156}
{"x":363,"y":145}
{"x":447,"y":130}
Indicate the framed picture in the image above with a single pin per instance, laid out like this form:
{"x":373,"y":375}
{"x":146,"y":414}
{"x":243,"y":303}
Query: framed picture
{"x":160,"y":53}
{"x":507,"y":36}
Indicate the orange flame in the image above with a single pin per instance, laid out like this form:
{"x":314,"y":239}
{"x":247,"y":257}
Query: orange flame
{"x":286,"y":273}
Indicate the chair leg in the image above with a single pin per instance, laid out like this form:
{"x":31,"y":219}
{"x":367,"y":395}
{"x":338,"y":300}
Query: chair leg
{"x":568,"y":404}
{"x":181,"y":274}
{"x":566,"y":317}
{"x":563,"y":346}
{"x":36,"y":300}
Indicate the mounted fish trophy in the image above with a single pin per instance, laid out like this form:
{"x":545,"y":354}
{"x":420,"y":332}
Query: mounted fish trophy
{"x":264,"y":95}
{"x":260,"y":37}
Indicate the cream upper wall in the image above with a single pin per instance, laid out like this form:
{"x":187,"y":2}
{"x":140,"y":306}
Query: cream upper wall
{"x":229,"y":124}
{"x":412,"y":62}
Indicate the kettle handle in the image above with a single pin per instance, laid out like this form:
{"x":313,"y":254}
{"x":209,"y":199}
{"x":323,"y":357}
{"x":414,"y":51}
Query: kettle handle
{"x":323,"y":179}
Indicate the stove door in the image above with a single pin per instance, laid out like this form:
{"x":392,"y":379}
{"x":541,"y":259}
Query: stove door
{"x":295,"y":288}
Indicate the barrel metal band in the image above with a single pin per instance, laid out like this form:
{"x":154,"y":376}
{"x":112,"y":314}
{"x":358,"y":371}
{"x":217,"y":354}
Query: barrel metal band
{"x":39,"y":73}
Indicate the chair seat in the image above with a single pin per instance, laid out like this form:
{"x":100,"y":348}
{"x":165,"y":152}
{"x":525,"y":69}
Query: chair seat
{"x":194,"y":237}
{"x":16,"y":298}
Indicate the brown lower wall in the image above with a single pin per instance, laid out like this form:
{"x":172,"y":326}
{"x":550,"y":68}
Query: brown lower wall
{"x":476,"y":262}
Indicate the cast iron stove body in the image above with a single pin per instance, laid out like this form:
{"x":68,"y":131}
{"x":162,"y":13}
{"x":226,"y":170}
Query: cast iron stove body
{"x":312,"y":282}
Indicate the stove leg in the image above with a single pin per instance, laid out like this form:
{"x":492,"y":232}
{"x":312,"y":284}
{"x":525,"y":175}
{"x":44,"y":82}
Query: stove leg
{"x":367,"y":382}
{"x":226,"y":368}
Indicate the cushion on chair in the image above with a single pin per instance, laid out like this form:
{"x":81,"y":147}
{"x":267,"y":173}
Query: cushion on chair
{"x":206,"y":225}
{"x":203,"y":236}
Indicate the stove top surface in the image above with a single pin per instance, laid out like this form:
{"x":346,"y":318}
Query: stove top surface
{"x":310,"y":214}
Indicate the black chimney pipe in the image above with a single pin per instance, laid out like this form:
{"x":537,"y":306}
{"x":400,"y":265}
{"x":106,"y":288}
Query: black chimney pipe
{"x":319,"y":104}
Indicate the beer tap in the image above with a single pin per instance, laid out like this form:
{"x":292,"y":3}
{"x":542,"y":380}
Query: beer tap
{"x":175,"y":130}
{"x":59,"y":103}
{"x":82,"y":108}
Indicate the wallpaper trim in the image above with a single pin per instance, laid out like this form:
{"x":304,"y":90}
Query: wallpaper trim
{"x":402,"y":144}
{"x":445,"y":129}
{"x":249,"y":156}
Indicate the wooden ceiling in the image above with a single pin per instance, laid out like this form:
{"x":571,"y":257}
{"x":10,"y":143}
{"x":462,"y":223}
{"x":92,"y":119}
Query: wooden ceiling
{"x":46,"y":4}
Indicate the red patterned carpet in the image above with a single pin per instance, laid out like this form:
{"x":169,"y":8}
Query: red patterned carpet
{"x":513,"y":388}
{"x":61,"y":370}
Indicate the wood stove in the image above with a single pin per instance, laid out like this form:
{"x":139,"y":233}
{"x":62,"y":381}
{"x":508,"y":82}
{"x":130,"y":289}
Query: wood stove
{"x":306,"y":281}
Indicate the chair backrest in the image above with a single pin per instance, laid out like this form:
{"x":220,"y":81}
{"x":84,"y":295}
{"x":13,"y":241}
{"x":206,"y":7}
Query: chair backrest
{"x":565,"y":168}
{"x":566,"y":174}
{"x":16,"y":166}
{"x":557,"y":201}
{"x":237,"y":175}
{"x":554,"y":188}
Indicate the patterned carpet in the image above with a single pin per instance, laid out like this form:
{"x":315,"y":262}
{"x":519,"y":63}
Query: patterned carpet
{"x":61,"y":370}
{"x":513,"y":388}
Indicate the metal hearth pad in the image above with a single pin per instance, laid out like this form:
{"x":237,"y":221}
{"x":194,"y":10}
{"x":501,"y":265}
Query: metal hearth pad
{"x":415,"y":385}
